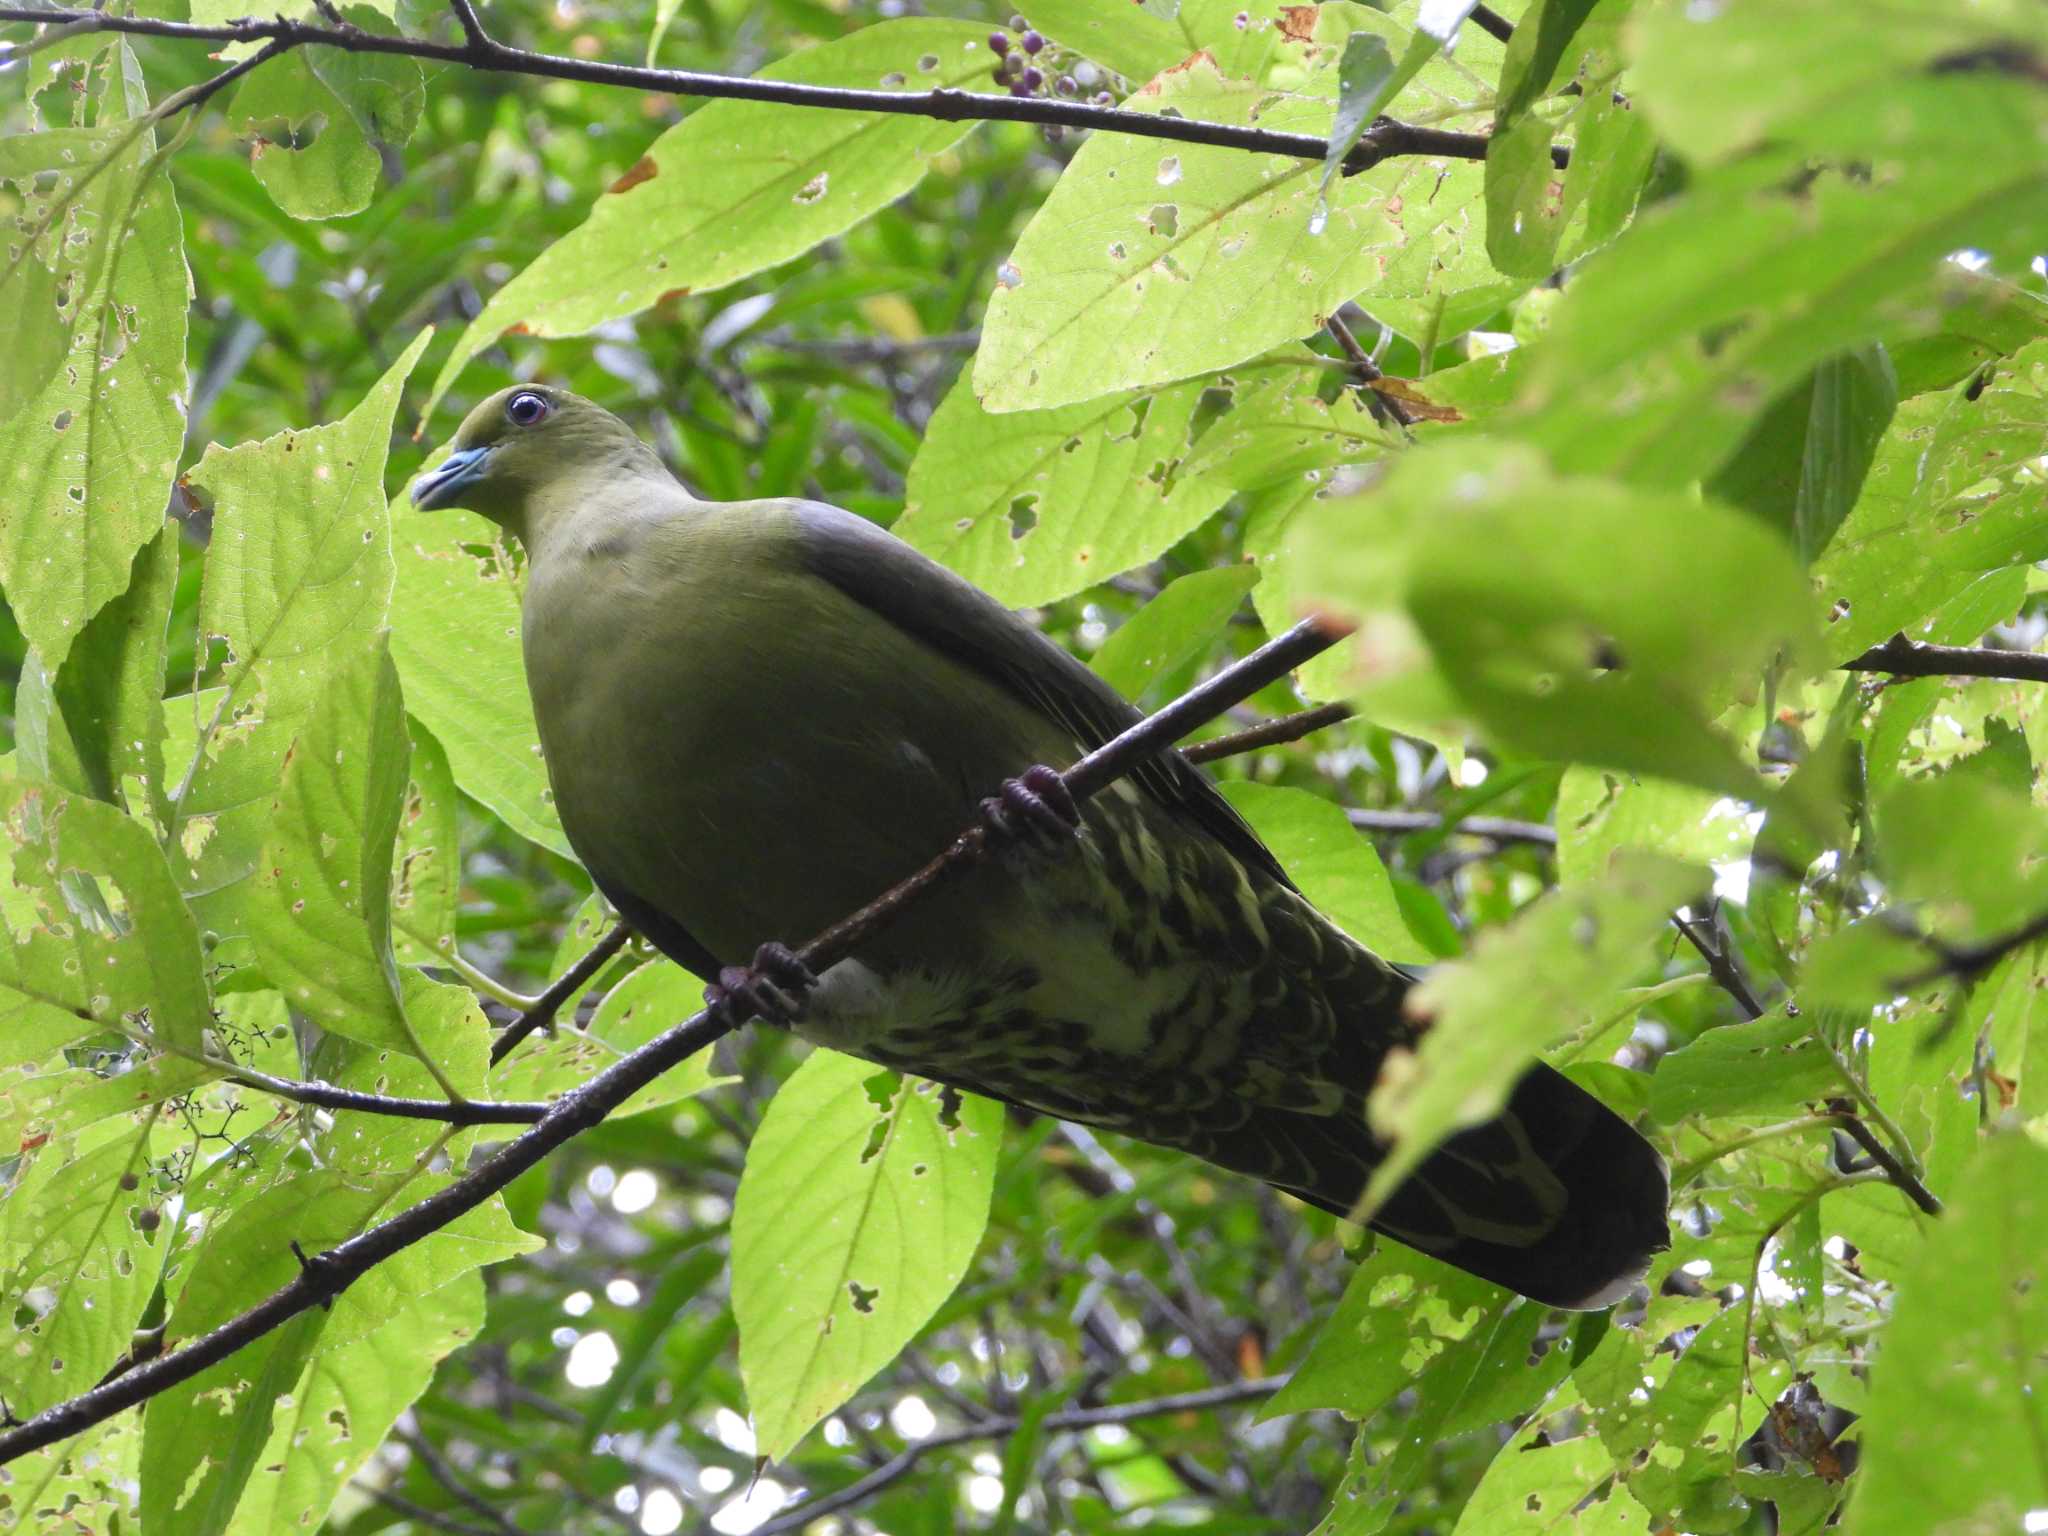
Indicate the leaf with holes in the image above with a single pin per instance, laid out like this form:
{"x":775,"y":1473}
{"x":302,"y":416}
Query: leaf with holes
{"x":298,"y":571}
{"x":81,"y":1248}
{"x":1152,"y":262}
{"x":1038,"y":505}
{"x":91,"y":399}
{"x":1961,"y":1379}
{"x":739,"y":186}
{"x":863,"y":1199}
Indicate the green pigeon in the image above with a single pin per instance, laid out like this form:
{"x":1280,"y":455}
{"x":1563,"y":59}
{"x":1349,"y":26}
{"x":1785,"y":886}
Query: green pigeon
{"x":757,"y":716}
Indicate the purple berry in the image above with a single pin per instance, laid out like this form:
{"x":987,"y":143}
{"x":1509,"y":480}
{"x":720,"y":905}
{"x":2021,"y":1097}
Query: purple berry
{"x":998,"y":75}
{"x":999,"y":43}
{"x":1065,"y":85}
{"x":1102,"y":99}
{"x":1018,"y":23}
{"x":1033,"y":42}
{"x":1033,"y":79}
{"x":1019,"y":89}
{"x":1013,"y":64}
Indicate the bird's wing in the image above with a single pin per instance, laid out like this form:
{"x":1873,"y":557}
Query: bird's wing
{"x":959,"y":621}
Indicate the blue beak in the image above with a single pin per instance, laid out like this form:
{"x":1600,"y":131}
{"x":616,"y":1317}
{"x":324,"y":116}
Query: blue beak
{"x":437,"y":488}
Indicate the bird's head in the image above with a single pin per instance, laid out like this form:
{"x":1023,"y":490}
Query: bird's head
{"x":526,"y":448}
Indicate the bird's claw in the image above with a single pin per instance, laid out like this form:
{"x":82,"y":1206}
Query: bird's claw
{"x":1035,"y":807}
{"x":772,"y":987}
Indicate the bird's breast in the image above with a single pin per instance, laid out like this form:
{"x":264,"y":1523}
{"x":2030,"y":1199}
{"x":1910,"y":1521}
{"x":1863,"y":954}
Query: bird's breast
{"x":744,"y":746}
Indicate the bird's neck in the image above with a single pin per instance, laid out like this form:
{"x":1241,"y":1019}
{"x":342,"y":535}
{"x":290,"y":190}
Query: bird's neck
{"x":598,"y":504}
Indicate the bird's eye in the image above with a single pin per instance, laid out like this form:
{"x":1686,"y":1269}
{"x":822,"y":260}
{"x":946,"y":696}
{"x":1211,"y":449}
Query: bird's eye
{"x":526,"y":408}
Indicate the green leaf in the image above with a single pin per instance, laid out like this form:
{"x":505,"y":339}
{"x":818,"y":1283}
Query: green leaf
{"x":1971,"y":852}
{"x":1951,"y":494}
{"x":1666,"y":348}
{"x":863,"y":1200}
{"x":1766,"y":1064}
{"x":1803,"y":464}
{"x":1279,"y":431}
{"x":1336,"y":868}
{"x":1525,"y":985}
{"x":91,"y":1476}
{"x":298,"y":571}
{"x":110,"y":689}
{"x":426,"y":871}
{"x":96,"y":291}
{"x":1194,"y":257}
{"x":1801,"y":62}
{"x":97,"y":927}
{"x":81,"y":1248}
{"x":1600,"y":812}
{"x":650,"y":999}
{"x":321,"y":909}
{"x":1539,"y":1488}
{"x":1135,"y":42}
{"x":1525,"y":200}
{"x":203,"y":1439}
{"x":1463,"y":1383}
{"x":455,"y":638}
{"x":1956,"y":1432}
{"x":317,"y":118}
{"x":1400,"y":1311}
{"x":740,"y":186}
{"x":1486,"y":588}
{"x":1182,"y":623}
{"x":1037,"y":505}
{"x":346,"y":1404}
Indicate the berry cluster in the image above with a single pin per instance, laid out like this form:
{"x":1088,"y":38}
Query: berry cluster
{"x":1023,"y":66}
{"x":1015,"y":66}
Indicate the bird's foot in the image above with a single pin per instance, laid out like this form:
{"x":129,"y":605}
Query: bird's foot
{"x":1035,"y":809}
{"x":772,"y":987}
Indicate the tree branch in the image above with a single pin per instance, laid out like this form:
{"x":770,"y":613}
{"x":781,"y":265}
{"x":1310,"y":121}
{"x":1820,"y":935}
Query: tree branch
{"x":329,"y":1273}
{"x":542,"y":1014}
{"x":1910,"y":658}
{"x":1384,"y":140}
{"x":327,"y":1096}
{"x":900,"y":1465}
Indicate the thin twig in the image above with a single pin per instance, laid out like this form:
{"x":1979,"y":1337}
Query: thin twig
{"x":1383,"y":404}
{"x":900,"y":1465}
{"x":433,"y":1519}
{"x":1273,"y":733}
{"x":330,"y":1272}
{"x":442,"y":1471}
{"x":1384,"y":140}
{"x":1499,"y":829}
{"x":542,"y":1014}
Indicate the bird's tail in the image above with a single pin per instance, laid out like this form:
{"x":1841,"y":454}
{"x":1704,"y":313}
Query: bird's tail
{"x":1557,"y":1197}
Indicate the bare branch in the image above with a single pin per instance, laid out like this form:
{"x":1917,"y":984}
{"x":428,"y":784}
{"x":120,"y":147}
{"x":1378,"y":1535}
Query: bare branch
{"x":1384,"y":140}
{"x":329,"y":1273}
{"x":1910,"y":658}
{"x":1383,"y":405}
{"x":1499,"y":829}
{"x":542,"y":1014}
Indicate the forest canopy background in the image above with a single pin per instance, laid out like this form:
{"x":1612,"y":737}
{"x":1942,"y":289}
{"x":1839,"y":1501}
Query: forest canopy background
{"x":1661,"y":388}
